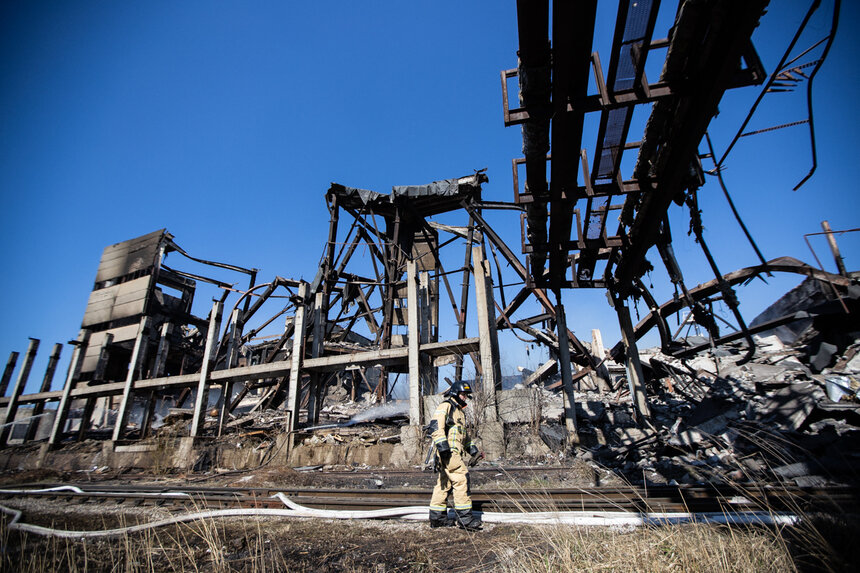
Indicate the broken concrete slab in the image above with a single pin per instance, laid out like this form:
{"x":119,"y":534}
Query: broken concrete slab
{"x":768,"y":344}
{"x":851,"y":363}
{"x":824,"y":356}
{"x":553,"y":436}
{"x":703,"y":363}
{"x":629,"y":437}
{"x":790,"y":406}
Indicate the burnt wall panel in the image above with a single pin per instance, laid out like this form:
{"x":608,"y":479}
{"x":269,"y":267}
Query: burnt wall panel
{"x":118,"y":301}
{"x":129,"y":256}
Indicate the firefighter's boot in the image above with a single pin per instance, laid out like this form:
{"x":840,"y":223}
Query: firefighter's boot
{"x":440,"y":519}
{"x":468,"y":520}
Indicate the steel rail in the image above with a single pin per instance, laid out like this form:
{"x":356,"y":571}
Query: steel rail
{"x":699,"y":499}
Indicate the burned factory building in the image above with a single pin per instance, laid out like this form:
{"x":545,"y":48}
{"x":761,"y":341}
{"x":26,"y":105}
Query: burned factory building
{"x":416,"y":287}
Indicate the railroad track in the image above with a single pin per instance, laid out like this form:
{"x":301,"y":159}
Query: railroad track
{"x":662,"y":499}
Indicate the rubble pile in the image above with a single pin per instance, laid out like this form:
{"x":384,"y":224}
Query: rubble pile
{"x":713,"y":419}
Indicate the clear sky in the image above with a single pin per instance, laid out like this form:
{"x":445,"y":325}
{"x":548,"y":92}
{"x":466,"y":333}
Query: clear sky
{"x":225,"y":123}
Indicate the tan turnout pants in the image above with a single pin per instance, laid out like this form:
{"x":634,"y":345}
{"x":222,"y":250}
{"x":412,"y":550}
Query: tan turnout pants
{"x":453,"y":475}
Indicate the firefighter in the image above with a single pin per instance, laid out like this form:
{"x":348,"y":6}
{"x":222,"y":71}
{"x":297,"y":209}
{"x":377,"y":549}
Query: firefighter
{"x":452,"y":443}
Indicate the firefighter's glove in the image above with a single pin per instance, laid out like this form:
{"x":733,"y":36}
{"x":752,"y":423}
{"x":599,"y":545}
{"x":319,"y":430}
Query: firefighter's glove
{"x":473,"y":450}
{"x":444,"y":449}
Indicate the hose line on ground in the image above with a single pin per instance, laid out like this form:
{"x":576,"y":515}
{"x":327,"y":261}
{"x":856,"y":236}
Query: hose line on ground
{"x":419,"y":513}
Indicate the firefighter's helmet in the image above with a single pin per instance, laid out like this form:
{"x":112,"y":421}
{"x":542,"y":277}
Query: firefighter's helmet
{"x":457,"y":388}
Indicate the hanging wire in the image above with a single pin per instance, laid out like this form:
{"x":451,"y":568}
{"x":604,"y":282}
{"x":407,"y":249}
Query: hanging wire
{"x":779,"y":74}
{"x":830,"y":38}
{"x":718,"y":172}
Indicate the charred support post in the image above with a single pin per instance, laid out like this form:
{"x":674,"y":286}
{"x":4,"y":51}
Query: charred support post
{"x":125,"y":404}
{"x":635,"y":377}
{"x":294,"y":398}
{"x":430,"y":373}
{"x":46,"y":387}
{"x":315,"y":386}
{"x":566,"y":377}
{"x":163,"y":348}
{"x":104,"y":355}
{"x":415,"y":418}
{"x":392,"y":274}
{"x":20,"y":382}
{"x":834,"y":248}
{"x":491,"y":379}
{"x":464,"y":296}
{"x":71,"y":378}
{"x":7,"y":373}
{"x":157,"y":371}
{"x":202,"y":401}
{"x":232,"y":352}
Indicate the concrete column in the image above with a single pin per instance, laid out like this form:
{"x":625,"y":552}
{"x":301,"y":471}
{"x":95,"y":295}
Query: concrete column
{"x":412,"y":320}
{"x":635,"y":377}
{"x":46,"y":387}
{"x":128,"y":390}
{"x":75,"y":365}
{"x":294,"y":395}
{"x":202,"y":401}
{"x":489,"y":341}
{"x":568,"y":395}
{"x":601,"y":375}
{"x":11,"y":408}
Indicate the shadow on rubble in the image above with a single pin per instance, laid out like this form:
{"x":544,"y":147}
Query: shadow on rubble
{"x":714,"y":421}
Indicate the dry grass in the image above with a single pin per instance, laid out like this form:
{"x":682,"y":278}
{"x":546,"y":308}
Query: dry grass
{"x":818,"y":542}
{"x":653,"y":549}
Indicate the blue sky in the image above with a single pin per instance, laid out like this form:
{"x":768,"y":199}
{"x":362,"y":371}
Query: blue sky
{"x":225,"y":123}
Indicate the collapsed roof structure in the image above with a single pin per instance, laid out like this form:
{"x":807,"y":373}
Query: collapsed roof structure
{"x":142,"y":354}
